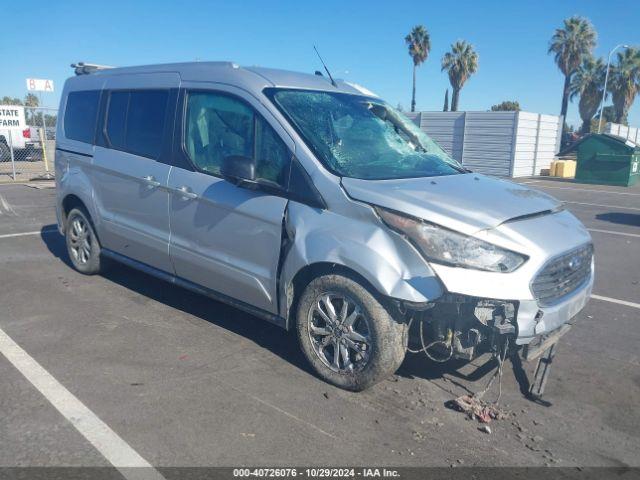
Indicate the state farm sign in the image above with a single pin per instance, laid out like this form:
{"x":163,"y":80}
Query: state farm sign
{"x":12,"y":117}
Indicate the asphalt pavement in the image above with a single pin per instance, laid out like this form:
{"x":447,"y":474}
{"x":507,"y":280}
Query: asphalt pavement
{"x":182,"y":380}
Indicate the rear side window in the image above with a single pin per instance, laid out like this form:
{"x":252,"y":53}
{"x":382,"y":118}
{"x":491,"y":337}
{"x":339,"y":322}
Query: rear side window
{"x":145,"y":122}
{"x":135,"y":121}
{"x":80,"y":115}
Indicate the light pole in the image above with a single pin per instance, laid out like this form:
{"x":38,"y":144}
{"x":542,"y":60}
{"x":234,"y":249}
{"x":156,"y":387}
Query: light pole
{"x":606,"y":78}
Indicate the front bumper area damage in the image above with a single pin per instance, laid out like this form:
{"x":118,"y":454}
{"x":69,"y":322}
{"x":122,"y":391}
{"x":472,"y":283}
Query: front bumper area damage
{"x":463,"y":327}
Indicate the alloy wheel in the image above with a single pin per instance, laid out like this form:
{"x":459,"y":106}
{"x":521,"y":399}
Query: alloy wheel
{"x":339,"y":332}
{"x":80,"y":240}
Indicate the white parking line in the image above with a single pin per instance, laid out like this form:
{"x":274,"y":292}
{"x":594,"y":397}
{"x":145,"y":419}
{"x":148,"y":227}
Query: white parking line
{"x":604,"y":206}
{"x":6,"y":206}
{"x":586,"y":190}
{"x":26,"y":234}
{"x":614,"y":233}
{"x":615,"y":300}
{"x":118,"y":452}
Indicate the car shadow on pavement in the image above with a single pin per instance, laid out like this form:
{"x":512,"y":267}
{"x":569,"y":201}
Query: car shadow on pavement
{"x":262,"y":333}
{"x":630,"y":219}
{"x":259,"y":331}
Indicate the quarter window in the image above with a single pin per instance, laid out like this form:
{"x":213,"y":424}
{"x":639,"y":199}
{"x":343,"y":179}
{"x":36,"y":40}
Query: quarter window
{"x":80,"y":115}
{"x":219,"y":126}
{"x":145,"y":122}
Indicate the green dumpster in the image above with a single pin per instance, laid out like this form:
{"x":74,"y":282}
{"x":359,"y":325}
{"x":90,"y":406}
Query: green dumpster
{"x":607,"y":159}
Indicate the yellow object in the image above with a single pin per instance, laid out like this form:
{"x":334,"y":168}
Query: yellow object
{"x":566,"y":169}
{"x":553,"y":168}
{"x":43,"y":140}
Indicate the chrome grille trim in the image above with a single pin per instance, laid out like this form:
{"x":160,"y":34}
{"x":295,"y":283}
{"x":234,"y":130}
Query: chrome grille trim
{"x":562,"y":275}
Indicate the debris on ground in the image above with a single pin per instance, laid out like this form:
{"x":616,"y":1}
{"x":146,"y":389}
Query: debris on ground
{"x":476,"y":409}
{"x":485,"y":429}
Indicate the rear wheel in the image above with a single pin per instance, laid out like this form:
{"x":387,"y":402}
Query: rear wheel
{"x":347,"y":336}
{"x":82,"y":243}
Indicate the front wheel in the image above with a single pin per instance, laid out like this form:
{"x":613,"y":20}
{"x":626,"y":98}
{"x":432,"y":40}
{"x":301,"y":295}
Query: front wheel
{"x":346,"y":334}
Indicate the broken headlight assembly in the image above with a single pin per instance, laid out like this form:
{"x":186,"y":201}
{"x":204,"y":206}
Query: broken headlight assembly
{"x":441,"y":245}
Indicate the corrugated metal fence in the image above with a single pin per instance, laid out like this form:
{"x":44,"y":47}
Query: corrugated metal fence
{"x":630,"y":133}
{"x":507,"y":144}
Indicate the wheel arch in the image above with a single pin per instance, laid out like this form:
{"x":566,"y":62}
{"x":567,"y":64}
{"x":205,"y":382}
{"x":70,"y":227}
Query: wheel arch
{"x":308,"y":273}
{"x":69,"y":202}
{"x":319,"y":242}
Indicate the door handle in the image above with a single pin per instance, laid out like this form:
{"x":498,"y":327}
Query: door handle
{"x":186,"y":192}
{"x":151,"y":181}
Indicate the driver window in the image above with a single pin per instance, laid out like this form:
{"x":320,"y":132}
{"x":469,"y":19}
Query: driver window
{"x":219,"y":126}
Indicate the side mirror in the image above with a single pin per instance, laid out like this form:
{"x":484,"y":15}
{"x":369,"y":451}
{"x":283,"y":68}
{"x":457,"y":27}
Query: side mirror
{"x":239,"y":169}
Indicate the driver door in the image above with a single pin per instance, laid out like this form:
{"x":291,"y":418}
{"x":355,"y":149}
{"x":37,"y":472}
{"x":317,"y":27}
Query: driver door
{"x":223,"y":236}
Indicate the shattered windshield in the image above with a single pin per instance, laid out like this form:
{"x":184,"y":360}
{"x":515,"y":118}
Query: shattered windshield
{"x":363,"y":138}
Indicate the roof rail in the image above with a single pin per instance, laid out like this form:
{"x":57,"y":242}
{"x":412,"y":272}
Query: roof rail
{"x":82,"y":68}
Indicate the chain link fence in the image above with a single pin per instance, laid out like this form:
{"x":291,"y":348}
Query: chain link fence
{"x":27,"y":154}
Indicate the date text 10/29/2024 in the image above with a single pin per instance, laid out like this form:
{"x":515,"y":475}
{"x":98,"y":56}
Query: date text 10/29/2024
{"x":316,"y":472}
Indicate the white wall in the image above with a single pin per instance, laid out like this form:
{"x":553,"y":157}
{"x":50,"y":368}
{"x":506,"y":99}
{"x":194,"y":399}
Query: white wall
{"x":489,"y":142}
{"x":536,"y":143}
{"x":446,"y":128}
{"x":509,"y":144}
{"x":630,"y":133}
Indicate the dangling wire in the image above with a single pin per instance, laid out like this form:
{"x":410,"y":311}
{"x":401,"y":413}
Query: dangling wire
{"x":497,"y":374}
{"x":425,"y":348}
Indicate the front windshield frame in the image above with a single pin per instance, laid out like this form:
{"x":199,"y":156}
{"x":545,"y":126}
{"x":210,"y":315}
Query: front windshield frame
{"x":409,"y":129}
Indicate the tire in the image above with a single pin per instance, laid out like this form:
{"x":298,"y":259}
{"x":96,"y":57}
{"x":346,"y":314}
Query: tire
{"x":82,"y":243}
{"x":5,"y":153}
{"x":366,"y":362}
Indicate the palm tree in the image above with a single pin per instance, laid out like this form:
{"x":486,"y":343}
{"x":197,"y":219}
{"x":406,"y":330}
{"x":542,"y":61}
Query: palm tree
{"x":588,"y":84}
{"x":460,"y":63}
{"x":570,"y":45}
{"x":624,"y":82}
{"x":419,"y":43}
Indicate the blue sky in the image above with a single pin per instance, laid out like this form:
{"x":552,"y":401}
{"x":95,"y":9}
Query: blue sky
{"x":361,"y":42}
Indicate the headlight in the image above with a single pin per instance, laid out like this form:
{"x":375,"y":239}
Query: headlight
{"x":440,"y":245}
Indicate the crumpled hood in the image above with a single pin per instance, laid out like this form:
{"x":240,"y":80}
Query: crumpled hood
{"x":466,"y":203}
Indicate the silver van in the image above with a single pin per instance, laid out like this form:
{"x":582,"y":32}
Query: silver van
{"x":314,"y":205}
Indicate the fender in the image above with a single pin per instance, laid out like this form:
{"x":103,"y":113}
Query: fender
{"x":72,"y":178}
{"x":383,"y":258}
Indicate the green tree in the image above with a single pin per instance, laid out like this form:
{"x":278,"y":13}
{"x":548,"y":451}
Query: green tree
{"x":460,"y":63}
{"x":570,"y":45}
{"x":419,"y":43}
{"x":506,"y":106}
{"x":30,"y":100}
{"x":588,"y":84}
{"x":624,"y":82}
{"x":608,"y":115}
{"x":445,"y":108}
{"x":50,"y":120}
{"x":10,"y":101}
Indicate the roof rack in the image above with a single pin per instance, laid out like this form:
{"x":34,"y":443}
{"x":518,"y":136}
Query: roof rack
{"x":82,"y":68}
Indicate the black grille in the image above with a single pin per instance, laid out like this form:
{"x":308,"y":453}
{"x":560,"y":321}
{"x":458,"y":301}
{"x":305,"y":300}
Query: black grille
{"x":562,"y":275}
